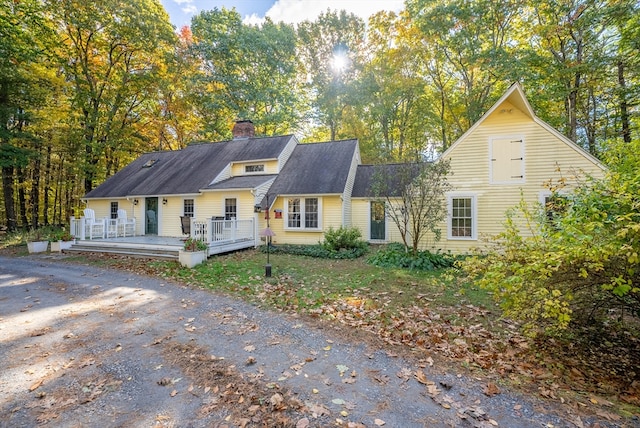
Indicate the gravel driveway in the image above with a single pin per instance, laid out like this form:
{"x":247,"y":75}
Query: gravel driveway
{"x":83,"y":346}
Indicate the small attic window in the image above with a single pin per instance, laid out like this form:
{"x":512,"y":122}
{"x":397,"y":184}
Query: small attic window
{"x":150,"y":163}
{"x":253,"y":168}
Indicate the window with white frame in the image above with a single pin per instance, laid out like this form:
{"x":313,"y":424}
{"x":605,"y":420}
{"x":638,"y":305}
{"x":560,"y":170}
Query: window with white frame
{"x":188,"y":208}
{"x":303,"y":213}
{"x":230,"y":209}
{"x":114,"y":210}
{"x":555,"y":205}
{"x":462,"y":217}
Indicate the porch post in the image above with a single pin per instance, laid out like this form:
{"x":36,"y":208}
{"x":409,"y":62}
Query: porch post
{"x":82,"y":228}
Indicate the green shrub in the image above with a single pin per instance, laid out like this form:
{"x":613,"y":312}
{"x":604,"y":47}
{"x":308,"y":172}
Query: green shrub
{"x":581,"y":268}
{"x":317,"y":251}
{"x":343,"y":238}
{"x":395,"y":255}
{"x":192,"y":244}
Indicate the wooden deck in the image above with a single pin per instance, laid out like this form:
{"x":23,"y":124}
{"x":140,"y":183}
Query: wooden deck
{"x":161,"y":247}
{"x":222,"y":236}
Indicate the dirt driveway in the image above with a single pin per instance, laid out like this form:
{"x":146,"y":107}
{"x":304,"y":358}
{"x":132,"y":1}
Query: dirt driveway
{"x":82,"y":346}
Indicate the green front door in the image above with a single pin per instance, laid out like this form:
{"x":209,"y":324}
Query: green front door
{"x":151,"y":216}
{"x":378,"y":227}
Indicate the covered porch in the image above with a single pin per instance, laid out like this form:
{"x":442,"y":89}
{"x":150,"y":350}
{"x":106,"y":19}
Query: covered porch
{"x":221,"y":236}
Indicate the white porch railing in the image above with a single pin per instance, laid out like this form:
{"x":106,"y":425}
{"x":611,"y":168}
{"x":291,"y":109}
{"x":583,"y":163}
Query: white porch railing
{"x":83,"y":228}
{"x":210,"y":231}
{"x":220,"y":231}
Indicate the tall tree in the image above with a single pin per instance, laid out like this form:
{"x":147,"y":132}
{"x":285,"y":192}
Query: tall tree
{"x":469,"y":42}
{"x":23,"y":87}
{"x":568,"y":37}
{"x":331,"y":49}
{"x":390,"y":92}
{"x":248,"y":72}
{"x":111,"y":49}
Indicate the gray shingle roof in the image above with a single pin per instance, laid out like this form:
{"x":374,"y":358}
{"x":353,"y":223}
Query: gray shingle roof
{"x":188,"y":170}
{"x":391,"y":174}
{"x":242,"y":182}
{"x":317,"y":168}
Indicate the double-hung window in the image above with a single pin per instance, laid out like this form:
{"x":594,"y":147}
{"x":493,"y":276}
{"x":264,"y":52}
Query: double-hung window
{"x":230,"y":212}
{"x":462,"y":217}
{"x":188,"y":208}
{"x":303,"y":213}
{"x":230,"y":209}
{"x":114,"y":210}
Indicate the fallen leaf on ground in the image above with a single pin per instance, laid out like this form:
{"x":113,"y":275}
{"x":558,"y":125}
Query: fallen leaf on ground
{"x":36,"y":385}
{"x":421,"y":377}
{"x":491,"y":389}
{"x":302,"y":423}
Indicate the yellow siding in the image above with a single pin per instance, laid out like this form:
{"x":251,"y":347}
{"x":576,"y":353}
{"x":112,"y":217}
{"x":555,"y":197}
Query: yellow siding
{"x":331,"y":216}
{"x":546,"y":157}
{"x":270,"y":167}
{"x":169,"y":215}
{"x":102,"y":207}
{"x":361,"y":214}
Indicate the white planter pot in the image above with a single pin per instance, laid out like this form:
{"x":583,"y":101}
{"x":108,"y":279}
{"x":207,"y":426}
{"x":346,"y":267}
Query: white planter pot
{"x":191,"y":258}
{"x":58,"y":246}
{"x":37,"y":246}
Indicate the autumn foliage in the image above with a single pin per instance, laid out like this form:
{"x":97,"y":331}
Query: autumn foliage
{"x":579,"y":267}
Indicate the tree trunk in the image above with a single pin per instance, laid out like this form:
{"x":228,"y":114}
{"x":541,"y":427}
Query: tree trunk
{"x":22,"y":199}
{"x":47,"y":186}
{"x":624,"y":111}
{"x":7,"y":193}
{"x":35,"y":192}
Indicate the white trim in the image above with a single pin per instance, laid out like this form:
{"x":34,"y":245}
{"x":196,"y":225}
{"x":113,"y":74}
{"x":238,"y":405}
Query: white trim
{"x":386,"y":223}
{"x":474,"y":215}
{"x":285,"y":214}
{"x":542,"y":195}
{"x":194,"y":206}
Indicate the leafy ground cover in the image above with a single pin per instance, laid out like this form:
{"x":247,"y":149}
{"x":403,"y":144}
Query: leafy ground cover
{"x":435,"y":317}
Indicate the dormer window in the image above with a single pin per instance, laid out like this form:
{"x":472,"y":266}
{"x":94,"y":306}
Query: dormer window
{"x":253,"y":169}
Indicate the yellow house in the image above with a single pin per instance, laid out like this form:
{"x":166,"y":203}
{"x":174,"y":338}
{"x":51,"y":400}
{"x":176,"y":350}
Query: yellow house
{"x":232,"y":191}
{"x":226,"y":193}
{"x":508,"y":155}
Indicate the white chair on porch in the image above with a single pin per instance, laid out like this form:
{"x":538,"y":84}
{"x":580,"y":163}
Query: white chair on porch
{"x":94,"y":228}
{"x":126,"y":226}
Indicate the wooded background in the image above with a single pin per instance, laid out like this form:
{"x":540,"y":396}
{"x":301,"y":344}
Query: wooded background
{"x":85,"y":87}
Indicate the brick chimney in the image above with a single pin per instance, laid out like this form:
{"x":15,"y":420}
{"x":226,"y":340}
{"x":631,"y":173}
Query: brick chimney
{"x":243,"y":129}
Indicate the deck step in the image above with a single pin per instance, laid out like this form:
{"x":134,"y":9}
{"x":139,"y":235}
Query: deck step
{"x":139,"y":252}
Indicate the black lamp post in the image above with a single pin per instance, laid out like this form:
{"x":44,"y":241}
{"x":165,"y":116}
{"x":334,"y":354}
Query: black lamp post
{"x":267,"y":233}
